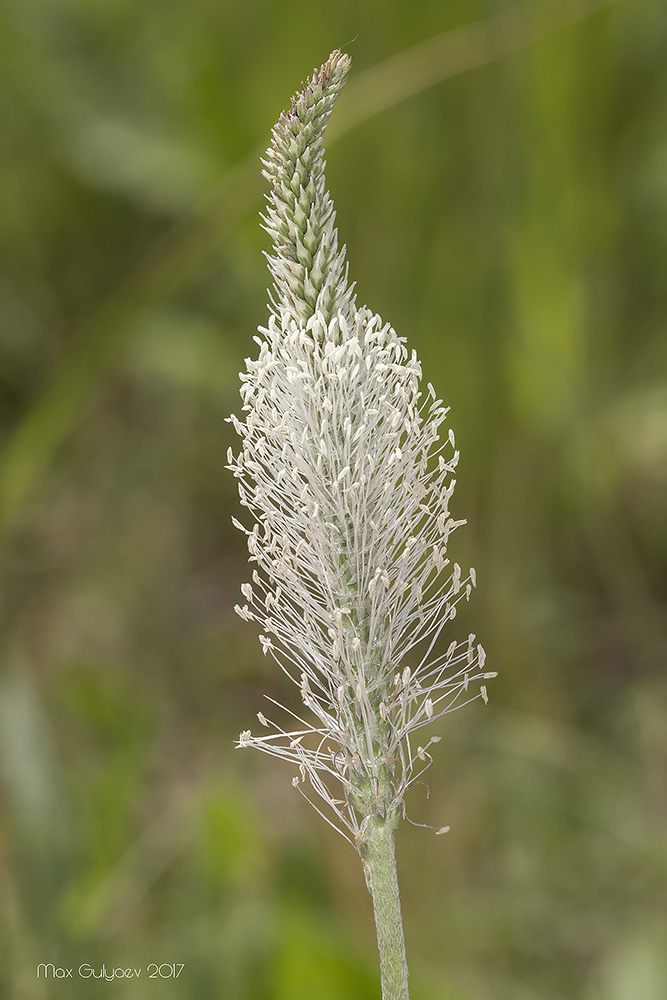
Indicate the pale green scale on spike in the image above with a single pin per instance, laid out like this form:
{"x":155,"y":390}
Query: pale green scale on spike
{"x":309,"y":270}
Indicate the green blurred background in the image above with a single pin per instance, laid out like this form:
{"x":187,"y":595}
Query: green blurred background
{"x":500,"y":176}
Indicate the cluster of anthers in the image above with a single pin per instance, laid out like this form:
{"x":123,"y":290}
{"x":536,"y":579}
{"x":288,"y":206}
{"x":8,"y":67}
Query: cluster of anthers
{"x":348,"y":480}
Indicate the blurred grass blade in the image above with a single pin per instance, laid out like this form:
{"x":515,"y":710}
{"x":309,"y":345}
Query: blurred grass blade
{"x":424,"y":65}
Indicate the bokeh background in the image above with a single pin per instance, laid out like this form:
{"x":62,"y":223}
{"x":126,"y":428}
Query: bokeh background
{"x":500,"y":175}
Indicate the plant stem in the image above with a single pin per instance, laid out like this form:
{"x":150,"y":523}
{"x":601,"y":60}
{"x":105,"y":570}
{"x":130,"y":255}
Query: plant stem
{"x":380,"y":869}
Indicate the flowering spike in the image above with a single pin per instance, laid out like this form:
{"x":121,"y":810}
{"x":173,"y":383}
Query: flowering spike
{"x":343,"y":469}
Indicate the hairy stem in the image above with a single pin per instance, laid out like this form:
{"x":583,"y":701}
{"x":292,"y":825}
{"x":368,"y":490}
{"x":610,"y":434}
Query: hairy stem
{"x":380,"y":869}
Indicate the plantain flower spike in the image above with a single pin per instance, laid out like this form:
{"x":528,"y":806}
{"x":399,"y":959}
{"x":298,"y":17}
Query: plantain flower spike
{"x":348,"y":479}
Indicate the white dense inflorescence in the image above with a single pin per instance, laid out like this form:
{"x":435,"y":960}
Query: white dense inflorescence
{"x":349,"y":481}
